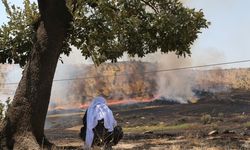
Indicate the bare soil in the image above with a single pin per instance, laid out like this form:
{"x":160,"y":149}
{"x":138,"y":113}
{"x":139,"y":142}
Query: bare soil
{"x":170,"y":126}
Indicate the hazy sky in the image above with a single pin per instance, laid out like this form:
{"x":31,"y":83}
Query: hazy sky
{"x":229,"y":34}
{"x":227,"y":39}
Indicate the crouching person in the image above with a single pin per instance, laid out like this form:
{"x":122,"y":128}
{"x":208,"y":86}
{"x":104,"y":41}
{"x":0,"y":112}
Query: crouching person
{"x":99,"y":126}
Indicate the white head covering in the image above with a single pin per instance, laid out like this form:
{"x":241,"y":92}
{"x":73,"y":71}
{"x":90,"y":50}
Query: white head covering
{"x":98,"y":110}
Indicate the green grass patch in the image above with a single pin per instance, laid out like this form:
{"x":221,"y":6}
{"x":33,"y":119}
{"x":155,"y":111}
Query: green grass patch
{"x":160,"y":127}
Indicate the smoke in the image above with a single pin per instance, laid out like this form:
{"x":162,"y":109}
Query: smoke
{"x":178,"y":85}
{"x":64,"y":76}
{"x":174,"y":85}
{"x":2,"y":84}
{"x":204,"y":56}
{"x":214,"y":81}
{"x":9,"y":77}
{"x":119,"y":81}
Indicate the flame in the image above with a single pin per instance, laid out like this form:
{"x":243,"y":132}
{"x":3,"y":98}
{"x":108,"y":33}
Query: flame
{"x":120,"y":102}
{"x":110,"y":102}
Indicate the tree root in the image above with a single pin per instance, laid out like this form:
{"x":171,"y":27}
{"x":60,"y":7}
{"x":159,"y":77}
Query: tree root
{"x":26,"y":141}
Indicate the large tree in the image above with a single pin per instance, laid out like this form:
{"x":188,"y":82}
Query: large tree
{"x":103,"y":30}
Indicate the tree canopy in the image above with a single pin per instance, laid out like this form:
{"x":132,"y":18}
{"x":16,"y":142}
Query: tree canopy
{"x":105,"y":29}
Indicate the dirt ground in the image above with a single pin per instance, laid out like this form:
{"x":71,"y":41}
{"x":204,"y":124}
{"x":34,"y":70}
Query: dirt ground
{"x":216,"y":122}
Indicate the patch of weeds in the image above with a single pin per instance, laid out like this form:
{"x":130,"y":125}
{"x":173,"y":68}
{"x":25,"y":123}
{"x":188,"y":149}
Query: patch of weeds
{"x":1,"y":111}
{"x":241,"y":116}
{"x":221,"y":115}
{"x":206,"y":119}
{"x":4,"y":107}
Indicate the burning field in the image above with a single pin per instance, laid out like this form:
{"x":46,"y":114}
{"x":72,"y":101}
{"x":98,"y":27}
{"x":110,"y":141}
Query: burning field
{"x":135,"y":82}
{"x":216,"y":121}
{"x":189,"y":109}
{"x":199,"y":109}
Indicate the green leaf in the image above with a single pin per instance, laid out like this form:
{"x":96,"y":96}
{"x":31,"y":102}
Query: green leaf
{"x":105,"y":30}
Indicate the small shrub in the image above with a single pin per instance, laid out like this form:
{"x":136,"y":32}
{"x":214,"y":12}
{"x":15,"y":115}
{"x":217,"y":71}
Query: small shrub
{"x":1,"y":111}
{"x":221,"y":115}
{"x":4,"y":107}
{"x":206,"y":119}
{"x":8,"y":101}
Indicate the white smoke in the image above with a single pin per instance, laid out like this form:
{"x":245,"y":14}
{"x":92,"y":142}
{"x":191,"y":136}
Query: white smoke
{"x":175,"y":85}
{"x":178,"y":85}
{"x":11,"y":75}
{"x":64,"y":77}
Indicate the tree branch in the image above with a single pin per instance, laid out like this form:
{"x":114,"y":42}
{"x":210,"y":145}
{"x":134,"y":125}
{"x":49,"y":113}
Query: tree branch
{"x":150,"y":5}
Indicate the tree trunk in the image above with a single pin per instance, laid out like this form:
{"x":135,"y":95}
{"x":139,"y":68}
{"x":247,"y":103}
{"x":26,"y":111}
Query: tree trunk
{"x":23,"y":127}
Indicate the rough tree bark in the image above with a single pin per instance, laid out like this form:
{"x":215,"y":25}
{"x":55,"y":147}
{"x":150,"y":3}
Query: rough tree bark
{"x":23,"y":127}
